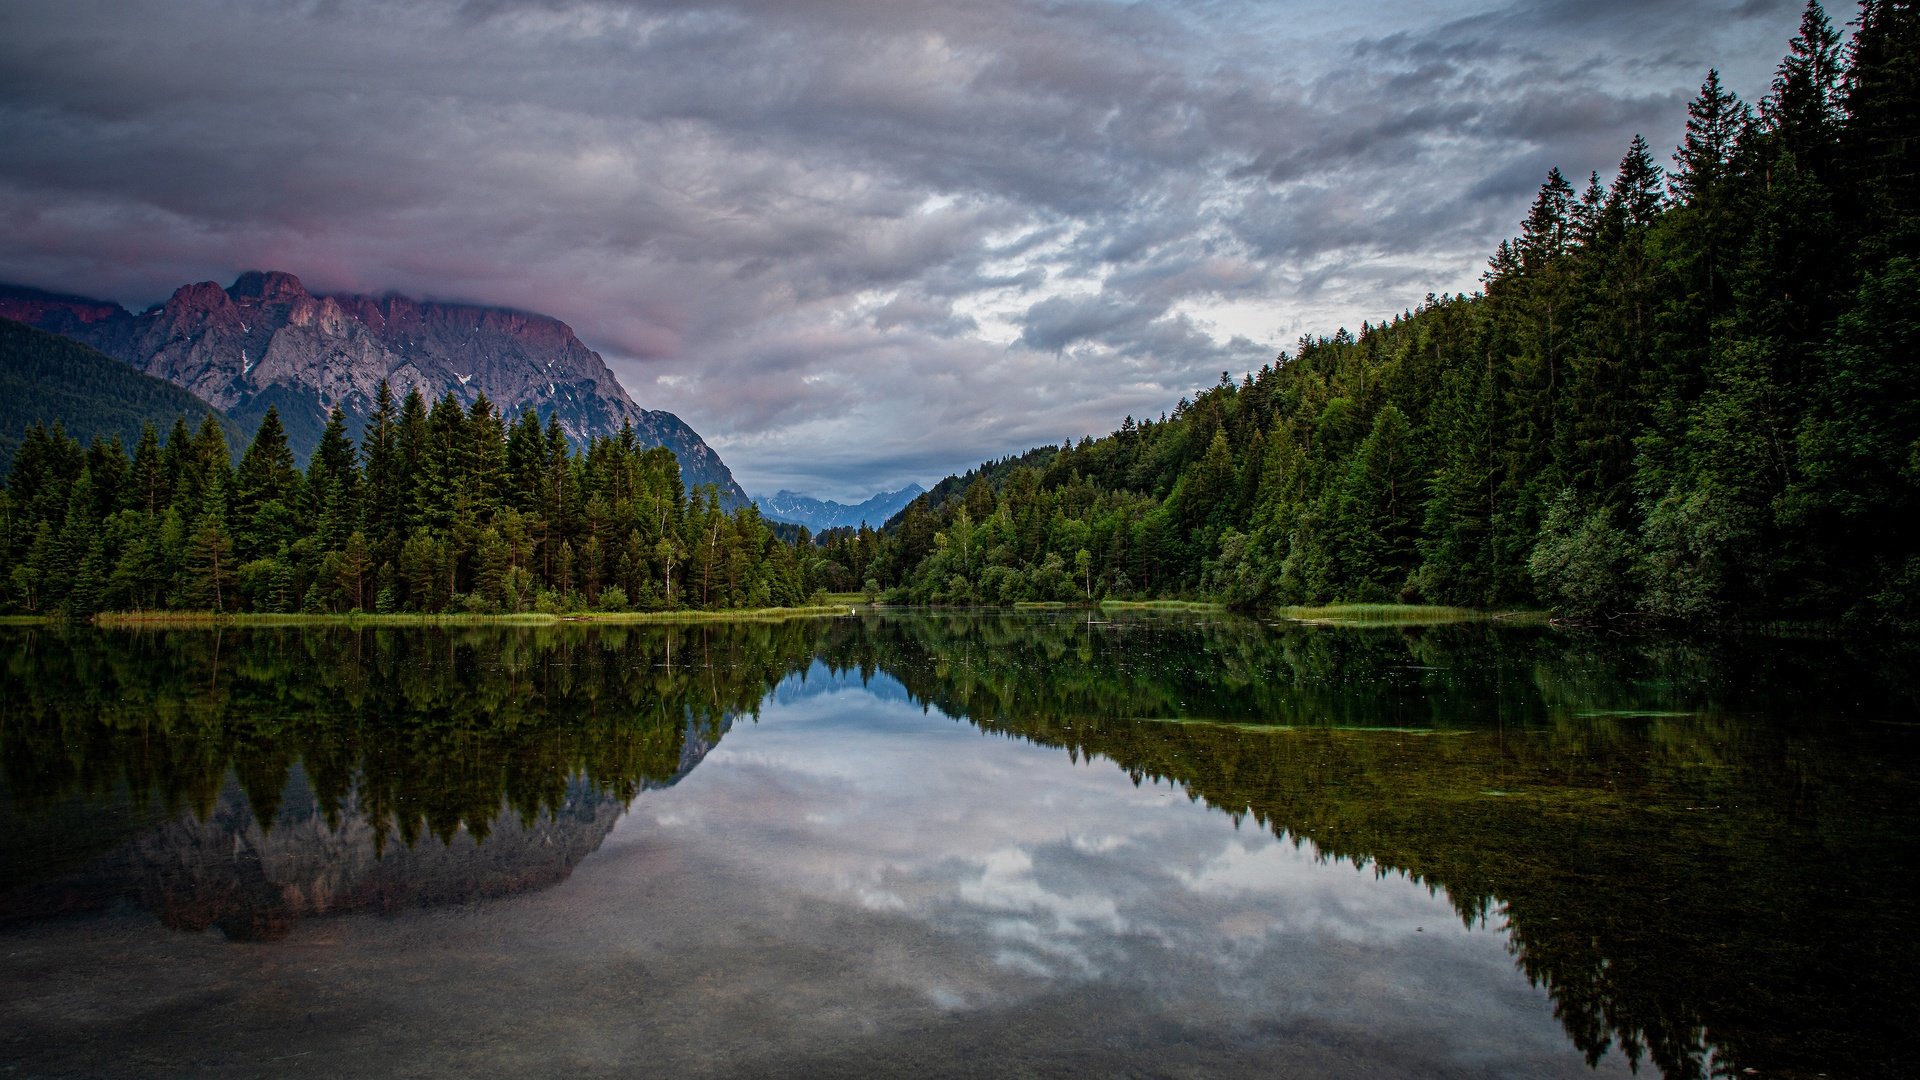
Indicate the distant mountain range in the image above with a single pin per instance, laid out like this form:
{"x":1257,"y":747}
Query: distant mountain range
{"x":45,"y":378}
{"x":266,"y":341}
{"x":821,"y":514}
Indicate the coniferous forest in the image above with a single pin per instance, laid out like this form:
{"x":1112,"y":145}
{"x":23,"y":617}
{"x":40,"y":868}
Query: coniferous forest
{"x":1686,"y":394}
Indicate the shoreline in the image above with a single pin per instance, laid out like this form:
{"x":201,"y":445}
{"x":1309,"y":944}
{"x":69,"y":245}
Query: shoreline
{"x":167,"y":620}
{"x":1357,"y":616}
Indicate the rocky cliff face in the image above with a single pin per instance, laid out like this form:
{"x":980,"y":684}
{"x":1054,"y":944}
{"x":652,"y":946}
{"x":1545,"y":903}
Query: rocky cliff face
{"x":267,"y":341}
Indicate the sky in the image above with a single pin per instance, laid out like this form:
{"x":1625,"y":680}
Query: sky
{"x":853,"y":243}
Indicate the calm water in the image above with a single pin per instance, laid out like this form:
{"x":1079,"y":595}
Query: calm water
{"x":968,"y":845}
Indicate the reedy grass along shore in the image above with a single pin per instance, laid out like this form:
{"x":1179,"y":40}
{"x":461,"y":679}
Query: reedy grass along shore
{"x":1356,"y":615}
{"x":1162,"y":605}
{"x":1404,"y":615}
{"x":127,"y":620}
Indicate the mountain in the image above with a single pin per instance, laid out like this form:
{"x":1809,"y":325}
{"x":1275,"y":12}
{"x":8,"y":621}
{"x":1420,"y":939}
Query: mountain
{"x":821,"y":514}
{"x":267,"y":341}
{"x":46,"y":378}
{"x":255,"y":877}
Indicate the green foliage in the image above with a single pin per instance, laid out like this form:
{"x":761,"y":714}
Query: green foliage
{"x":1581,"y":560}
{"x":441,"y":509}
{"x":47,"y":379}
{"x":1684,"y":397}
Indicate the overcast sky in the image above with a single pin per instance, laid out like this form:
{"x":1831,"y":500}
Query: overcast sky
{"x":852,"y":242}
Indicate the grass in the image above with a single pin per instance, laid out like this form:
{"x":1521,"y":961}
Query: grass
{"x":1360,"y":615}
{"x":1162,"y":605}
{"x":1403,"y":615}
{"x":1253,"y":728}
{"x":168,"y":619}
{"x":769,"y":614}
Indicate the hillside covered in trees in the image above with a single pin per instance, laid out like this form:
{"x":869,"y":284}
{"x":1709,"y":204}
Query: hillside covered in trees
{"x":46,"y":378}
{"x":1687,"y":394}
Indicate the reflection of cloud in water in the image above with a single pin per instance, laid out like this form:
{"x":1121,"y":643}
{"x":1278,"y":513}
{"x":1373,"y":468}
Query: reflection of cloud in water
{"x":1073,"y":880}
{"x":849,"y":886}
{"x":1035,"y":922}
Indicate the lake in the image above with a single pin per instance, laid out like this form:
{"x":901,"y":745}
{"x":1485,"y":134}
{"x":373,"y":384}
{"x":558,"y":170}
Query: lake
{"x":996,"y":844}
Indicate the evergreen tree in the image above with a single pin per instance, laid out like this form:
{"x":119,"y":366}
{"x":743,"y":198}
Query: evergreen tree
{"x":208,"y":570}
{"x":333,"y":483}
{"x":146,"y":489}
{"x":1879,"y":147}
{"x":386,"y":476}
{"x":267,"y":492}
{"x":1803,"y":111}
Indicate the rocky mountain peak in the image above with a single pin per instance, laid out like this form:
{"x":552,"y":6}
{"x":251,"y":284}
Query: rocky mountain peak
{"x":200,"y":305}
{"x":266,"y":341}
{"x":268,"y":287}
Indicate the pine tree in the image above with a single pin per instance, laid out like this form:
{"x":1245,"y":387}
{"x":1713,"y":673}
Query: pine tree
{"x":1715,"y":120}
{"x":1379,"y":510}
{"x":1880,"y":140}
{"x":413,"y":461}
{"x":146,"y":489}
{"x":208,"y":570}
{"x":355,"y":572}
{"x":266,"y":492}
{"x":333,"y":483}
{"x":386,"y":479}
{"x":1803,"y":112}
{"x":1548,"y":230}
{"x":486,"y":452}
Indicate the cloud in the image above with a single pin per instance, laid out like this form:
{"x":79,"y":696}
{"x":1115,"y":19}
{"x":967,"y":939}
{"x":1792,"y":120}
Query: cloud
{"x":824,"y":232}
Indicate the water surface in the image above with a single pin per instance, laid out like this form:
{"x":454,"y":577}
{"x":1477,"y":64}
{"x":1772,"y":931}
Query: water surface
{"x":963,"y":845}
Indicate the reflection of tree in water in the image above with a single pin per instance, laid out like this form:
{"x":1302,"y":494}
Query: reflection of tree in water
{"x":248,"y":780}
{"x":1704,"y":865}
{"x":1689,"y":846}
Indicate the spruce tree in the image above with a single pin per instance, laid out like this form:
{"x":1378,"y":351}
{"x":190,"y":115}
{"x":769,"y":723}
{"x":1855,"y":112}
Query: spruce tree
{"x":266,"y":498}
{"x":208,"y":568}
{"x":333,"y":483}
{"x":1879,"y":144}
{"x":383,"y":469}
{"x":1803,"y":111}
{"x":146,"y":480}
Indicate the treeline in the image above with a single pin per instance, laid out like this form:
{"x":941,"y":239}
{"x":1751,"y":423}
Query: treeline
{"x":1688,"y":394}
{"x":428,"y":731}
{"x":442,"y":508}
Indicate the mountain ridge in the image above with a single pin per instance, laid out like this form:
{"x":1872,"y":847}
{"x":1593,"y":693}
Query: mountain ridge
{"x":820,"y":514}
{"x":267,"y":341}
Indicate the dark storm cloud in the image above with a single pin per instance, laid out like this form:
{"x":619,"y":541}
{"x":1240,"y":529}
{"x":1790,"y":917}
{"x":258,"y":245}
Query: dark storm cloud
{"x":853,"y":242}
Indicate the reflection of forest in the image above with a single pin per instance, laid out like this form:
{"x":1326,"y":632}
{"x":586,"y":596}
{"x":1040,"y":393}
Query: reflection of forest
{"x":1703,"y":852}
{"x":249,"y":780}
{"x":1692,"y":847}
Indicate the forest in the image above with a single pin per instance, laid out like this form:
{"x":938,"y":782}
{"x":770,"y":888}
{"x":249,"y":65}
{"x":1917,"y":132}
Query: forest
{"x":1686,"y":395}
{"x":1683,"y":395}
{"x":440,"y":509}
